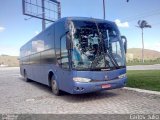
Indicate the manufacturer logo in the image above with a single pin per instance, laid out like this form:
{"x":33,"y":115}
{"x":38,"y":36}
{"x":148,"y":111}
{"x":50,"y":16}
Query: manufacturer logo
{"x":106,"y":77}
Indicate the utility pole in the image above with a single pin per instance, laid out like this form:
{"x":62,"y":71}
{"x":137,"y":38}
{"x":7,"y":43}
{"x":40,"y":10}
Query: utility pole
{"x":104,"y":10}
{"x":43,"y":16}
{"x":142,"y":47}
{"x":59,"y":10}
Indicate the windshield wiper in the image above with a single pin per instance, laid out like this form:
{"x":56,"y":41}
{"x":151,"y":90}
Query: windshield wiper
{"x":112,"y":59}
{"x":96,"y":61}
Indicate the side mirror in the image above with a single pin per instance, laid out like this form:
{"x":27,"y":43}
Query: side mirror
{"x":69,"y":43}
{"x":124,"y":39}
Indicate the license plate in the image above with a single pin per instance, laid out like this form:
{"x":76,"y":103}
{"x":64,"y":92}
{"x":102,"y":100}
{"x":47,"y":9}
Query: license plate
{"x":106,"y":86}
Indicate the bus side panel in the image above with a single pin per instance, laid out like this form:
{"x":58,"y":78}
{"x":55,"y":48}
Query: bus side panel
{"x":45,"y":69}
{"x":65,"y":81}
{"x":27,"y":69}
{"x":36,"y":73}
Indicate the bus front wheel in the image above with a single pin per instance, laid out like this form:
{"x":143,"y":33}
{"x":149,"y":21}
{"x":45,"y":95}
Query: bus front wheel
{"x":54,"y":86}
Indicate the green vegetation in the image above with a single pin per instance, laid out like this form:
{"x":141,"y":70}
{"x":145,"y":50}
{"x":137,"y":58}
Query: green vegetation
{"x":150,"y":56}
{"x":146,"y":62}
{"x":144,"y":79}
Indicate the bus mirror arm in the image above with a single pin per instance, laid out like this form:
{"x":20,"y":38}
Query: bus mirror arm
{"x":69,"y":43}
{"x":124,"y":39}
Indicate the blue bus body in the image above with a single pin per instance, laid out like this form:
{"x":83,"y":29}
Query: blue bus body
{"x":51,"y":54}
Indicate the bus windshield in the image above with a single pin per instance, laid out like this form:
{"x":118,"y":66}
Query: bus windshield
{"x":97,"y":46}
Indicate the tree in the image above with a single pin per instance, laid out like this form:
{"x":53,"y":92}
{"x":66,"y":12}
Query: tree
{"x":143,"y":24}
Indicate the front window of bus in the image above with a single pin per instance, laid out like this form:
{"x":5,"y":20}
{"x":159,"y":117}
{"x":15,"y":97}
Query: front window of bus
{"x":114,"y":45}
{"x":95,"y":48}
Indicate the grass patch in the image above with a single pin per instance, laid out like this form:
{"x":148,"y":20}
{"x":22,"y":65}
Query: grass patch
{"x":140,"y":63}
{"x":144,"y":79}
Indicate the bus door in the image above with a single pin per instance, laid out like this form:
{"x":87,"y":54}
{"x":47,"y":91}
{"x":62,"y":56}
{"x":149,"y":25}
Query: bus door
{"x":63,"y":72}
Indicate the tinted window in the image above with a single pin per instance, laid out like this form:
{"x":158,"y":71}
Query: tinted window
{"x":64,"y":53}
{"x":49,"y":38}
{"x":25,"y":60}
{"x":38,"y":45}
{"x":59,"y":31}
{"x":35,"y":58}
{"x":48,"y":56}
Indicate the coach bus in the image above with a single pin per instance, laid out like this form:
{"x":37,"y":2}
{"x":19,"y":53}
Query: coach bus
{"x":76,"y":55}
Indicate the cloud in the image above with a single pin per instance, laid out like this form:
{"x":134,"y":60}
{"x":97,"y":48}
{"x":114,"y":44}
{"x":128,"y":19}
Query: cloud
{"x":157,"y":45}
{"x":2,"y":29}
{"x":120,"y":24}
{"x":9,"y":50}
{"x":153,"y":46}
{"x":37,"y":32}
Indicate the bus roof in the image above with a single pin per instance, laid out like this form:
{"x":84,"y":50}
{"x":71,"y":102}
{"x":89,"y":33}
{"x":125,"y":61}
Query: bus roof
{"x":83,"y":19}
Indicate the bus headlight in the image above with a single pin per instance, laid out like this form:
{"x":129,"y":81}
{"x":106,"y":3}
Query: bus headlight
{"x":122,"y":76}
{"x":80,"y":79}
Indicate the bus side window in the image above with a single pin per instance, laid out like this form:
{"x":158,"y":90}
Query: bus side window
{"x":64,"y":53}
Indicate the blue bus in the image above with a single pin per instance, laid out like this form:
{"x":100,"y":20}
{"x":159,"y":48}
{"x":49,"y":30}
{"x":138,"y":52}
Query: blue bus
{"x":76,"y":55}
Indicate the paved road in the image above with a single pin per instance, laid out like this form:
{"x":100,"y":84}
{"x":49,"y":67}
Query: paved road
{"x":18,"y":97}
{"x":144,"y":67}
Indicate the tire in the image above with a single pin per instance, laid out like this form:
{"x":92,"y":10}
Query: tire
{"x":25,"y":77}
{"x":54,"y":87}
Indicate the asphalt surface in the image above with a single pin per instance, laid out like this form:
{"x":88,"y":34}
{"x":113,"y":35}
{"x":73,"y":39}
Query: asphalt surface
{"x":144,"y":67}
{"x":19,"y":97}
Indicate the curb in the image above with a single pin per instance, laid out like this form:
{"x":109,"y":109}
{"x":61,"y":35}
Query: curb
{"x":142,"y":90}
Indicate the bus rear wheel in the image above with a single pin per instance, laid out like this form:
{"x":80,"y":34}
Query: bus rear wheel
{"x":25,"y":77}
{"x":54,"y":87}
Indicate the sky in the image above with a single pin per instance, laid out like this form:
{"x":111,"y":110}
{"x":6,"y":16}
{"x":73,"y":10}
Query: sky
{"x":16,"y":31}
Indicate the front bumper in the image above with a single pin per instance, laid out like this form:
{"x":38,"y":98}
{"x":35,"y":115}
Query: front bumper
{"x":80,"y":88}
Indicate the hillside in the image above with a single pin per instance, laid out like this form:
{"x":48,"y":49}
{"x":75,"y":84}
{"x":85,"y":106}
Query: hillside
{"x":11,"y":61}
{"x":135,"y":53}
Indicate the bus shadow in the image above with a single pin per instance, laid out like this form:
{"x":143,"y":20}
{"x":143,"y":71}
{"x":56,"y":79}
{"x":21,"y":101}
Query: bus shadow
{"x":76,"y":97}
{"x":37,"y":85}
{"x":87,"y":96}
